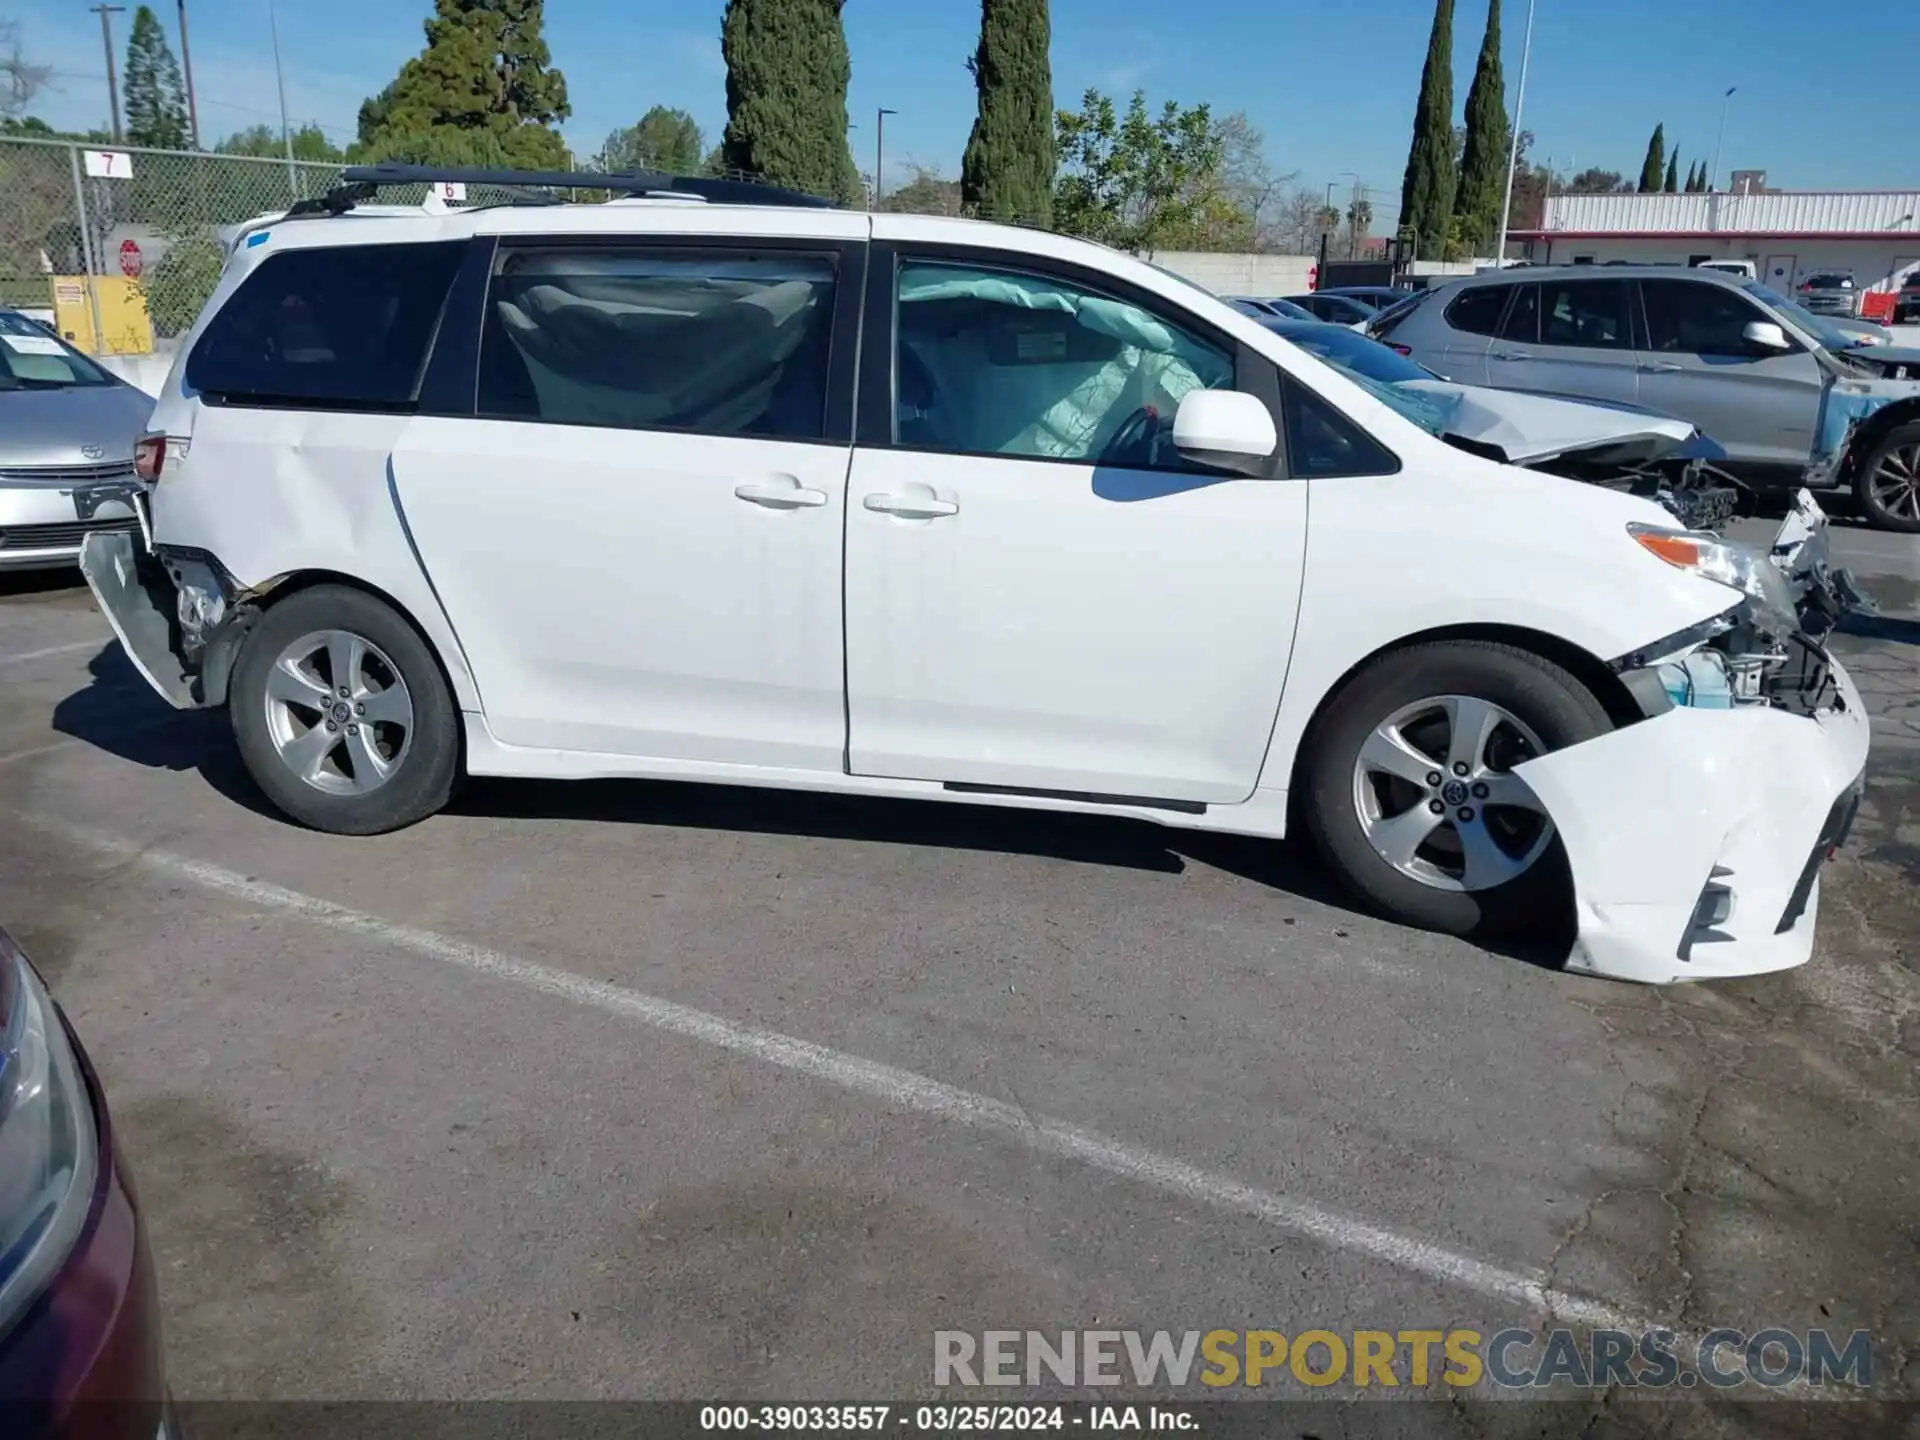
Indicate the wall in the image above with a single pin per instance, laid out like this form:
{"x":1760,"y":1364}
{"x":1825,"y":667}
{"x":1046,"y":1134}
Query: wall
{"x":1259,"y":276}
{"x":143,"y":372}
{"x":1778,"y":212}
{"x":1876,"y":264}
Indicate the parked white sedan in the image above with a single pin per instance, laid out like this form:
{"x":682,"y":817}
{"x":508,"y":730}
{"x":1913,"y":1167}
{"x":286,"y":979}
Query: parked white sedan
{"x":884,"y":504}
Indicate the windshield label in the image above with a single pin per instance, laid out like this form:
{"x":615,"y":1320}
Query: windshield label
{"x":32,"y":345}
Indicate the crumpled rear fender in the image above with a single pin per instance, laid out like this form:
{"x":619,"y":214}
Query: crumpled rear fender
{"x":1650,"y":812}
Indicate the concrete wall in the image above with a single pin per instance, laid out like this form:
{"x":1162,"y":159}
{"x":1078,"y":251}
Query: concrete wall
{"x":1876,"y":264}
{"x":143,"y":372}
{"x":1259,"y":276}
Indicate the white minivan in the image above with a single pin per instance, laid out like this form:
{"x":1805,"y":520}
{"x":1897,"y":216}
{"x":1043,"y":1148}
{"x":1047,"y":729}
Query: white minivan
{"x":775,"y":494}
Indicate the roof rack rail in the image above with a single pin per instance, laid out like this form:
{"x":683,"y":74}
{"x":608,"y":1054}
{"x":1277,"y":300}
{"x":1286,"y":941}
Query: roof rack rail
{"x":358,"y":184}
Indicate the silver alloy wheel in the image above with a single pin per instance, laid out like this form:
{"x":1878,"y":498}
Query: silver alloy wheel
{"x":1435,"y":795}
{"x":338,"y":713}
{"x":1896,"y":482}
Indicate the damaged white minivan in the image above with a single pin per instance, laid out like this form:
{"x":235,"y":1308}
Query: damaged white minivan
{"x":770,"y":493}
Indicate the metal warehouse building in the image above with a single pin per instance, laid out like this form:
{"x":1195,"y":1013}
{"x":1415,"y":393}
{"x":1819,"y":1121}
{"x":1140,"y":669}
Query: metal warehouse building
{"x":1787,"y":234}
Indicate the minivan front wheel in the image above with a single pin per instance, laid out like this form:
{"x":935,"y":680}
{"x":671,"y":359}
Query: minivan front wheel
{"x":342,"y":715}
{"x":1410,"y":795}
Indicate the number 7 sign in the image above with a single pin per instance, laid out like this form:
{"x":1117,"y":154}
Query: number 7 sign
{"x":108,"y":164}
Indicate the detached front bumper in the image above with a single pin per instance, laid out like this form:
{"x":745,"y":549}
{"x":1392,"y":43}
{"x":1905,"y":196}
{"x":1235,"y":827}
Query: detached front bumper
{"x":1696,"y":837}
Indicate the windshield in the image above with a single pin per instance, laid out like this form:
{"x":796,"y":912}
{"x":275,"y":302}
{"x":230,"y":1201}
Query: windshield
{"x":1831,"y":336}
{"x":1353,"y":352}
{"x":33,"y":358}
{"x":1432,"y":413}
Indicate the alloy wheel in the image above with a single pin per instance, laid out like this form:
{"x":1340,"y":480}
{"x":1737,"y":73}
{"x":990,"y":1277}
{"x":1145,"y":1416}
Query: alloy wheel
{"x":338,"y":713}
{"x":1896,"y":482}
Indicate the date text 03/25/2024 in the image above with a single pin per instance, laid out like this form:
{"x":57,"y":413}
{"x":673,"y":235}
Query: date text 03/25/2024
{"x":943,"y":1419}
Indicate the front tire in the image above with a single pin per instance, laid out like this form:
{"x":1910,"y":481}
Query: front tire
{"x":342,"y":715}
{"x":1408,"y":793}
{"x":1888,"y":486}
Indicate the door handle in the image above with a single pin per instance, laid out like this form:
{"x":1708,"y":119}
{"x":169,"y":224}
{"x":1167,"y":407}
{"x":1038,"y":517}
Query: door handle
{"x":1511,"y":355}
{"x":911,"y":507}
{"x":1663,"y":367}
{"x":781,"y":497}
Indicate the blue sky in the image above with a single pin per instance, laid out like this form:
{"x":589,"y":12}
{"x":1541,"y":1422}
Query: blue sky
{"x":1331,"y":83}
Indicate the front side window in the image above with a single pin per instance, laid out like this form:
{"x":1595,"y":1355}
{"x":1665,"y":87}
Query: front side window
{"x":1687,"y":318}
{"x":340,"y":326}
{"x":995,"y":362}
{"x":723,"y":342}
{"x":1588,"y":314}
{"x":1478,"y":311}
{"x":1323,"y":444}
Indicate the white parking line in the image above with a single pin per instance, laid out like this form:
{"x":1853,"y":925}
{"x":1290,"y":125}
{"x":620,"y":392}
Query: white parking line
{"x":903,"y":1089}
{"x":52,"y":650}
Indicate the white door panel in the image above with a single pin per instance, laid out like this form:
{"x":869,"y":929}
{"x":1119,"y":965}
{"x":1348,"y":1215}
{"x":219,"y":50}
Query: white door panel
{"x":1053,"y":626}
{"x":639,"y":593}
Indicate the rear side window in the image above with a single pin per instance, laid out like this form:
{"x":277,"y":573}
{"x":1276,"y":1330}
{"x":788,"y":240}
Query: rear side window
{"x":723,"y":342}
{"x":1587,"y":314}
{"x":344,"y":327}
{"x":1523,"y":320}
{"x":1478,"y":311}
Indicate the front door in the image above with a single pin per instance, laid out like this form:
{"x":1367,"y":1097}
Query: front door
{"x":1760,"y":405}
{"x":1568,"y":337}
{"x":1779,"y":273}
{"x":638,"y":539}
{"x":1041,"y":594}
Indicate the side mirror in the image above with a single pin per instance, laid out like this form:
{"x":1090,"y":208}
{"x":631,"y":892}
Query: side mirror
{"x":1765,"y":335}
{"x":1227,"y":430}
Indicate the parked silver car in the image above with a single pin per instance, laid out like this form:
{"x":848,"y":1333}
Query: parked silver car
{"x":67,"y":433}
{"x":1784,"y":393}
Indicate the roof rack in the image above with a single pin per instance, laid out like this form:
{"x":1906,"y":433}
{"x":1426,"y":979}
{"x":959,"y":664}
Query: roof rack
{"x":358,"y":184}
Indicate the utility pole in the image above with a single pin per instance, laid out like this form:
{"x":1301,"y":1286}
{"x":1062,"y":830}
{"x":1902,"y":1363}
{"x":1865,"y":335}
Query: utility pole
{"x":113,"y":83}
{"x":186,"y":63}
{"x":280,"y":79}
{"x":880,"y":153}
{"x":1725,"y":101}
{"x":1513,"y":150}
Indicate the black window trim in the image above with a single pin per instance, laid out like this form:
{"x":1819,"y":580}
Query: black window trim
{"x":849,"y":257}
{"x":878,"y":411}
{"x":1513,"y":305}
{"x":264,"y":400}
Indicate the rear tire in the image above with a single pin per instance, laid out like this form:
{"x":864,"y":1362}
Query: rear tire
{"x":1888,"y":485}
{"x":1424,"y":844}
{"x":342,"y":715}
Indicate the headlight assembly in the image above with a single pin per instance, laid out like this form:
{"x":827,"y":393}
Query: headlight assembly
{"x":49,"y":1151}
{"x":1739,"y":567}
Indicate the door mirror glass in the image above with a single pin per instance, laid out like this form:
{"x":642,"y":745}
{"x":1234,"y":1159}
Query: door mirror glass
{"x":1765,"y":335}
{"x":1226,"y":429}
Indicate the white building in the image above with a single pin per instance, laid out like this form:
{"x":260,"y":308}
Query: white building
{"x":1787,"y":234}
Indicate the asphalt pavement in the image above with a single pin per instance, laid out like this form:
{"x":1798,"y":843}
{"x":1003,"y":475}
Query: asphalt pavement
{"x":640,"y":1090}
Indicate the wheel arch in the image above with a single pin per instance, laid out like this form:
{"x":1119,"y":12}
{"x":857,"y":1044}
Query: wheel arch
{"x":218,"y":670}
{"x":1866,"y":437}
{"x":1589,"y":669}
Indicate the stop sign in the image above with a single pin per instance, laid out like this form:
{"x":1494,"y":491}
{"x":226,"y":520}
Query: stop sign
{"x":130,"y":261}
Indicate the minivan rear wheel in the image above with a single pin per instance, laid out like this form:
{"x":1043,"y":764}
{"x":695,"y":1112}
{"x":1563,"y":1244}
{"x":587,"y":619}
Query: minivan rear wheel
{"x":342,"y":715}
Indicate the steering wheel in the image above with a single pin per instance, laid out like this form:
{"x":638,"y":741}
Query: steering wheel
{"x":1138,"y":440}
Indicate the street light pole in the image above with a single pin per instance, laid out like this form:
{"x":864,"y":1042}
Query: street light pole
{"x":113,"y":82}
{"x":1725,"y":101}
{"x":186,"y":64}
{"x":880,"y":153}
{"x":280,"y":79}
{"x":1513,"y":147}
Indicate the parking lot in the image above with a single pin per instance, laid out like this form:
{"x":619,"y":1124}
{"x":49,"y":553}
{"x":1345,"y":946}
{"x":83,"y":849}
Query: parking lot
{"x":645,"y":1090}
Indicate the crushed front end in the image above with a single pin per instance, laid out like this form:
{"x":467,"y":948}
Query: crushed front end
{"x":1696,"y":835}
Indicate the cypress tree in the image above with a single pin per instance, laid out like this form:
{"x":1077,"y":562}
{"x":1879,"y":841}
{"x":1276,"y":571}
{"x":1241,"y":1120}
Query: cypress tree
{"x":1007,"y":172}
{"x":1426,"y":191}
{"x":1653,"y":168}
{"x":156,"y":97}
{"x":1672,"y":184}
{"x":1483,"y":164}
{"x":787,"y":73}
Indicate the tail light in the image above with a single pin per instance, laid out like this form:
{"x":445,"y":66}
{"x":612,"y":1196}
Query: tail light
{"x":149,"y":454}
{"x":1399,"y":349}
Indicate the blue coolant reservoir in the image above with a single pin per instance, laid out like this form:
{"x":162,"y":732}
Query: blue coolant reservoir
{"x":1700,"y":681}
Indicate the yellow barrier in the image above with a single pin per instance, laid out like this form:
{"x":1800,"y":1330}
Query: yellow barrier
{"x":124,"y":328}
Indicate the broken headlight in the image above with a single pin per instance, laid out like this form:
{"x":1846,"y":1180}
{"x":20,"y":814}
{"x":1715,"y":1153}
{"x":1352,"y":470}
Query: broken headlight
{"x":1740,"y":567}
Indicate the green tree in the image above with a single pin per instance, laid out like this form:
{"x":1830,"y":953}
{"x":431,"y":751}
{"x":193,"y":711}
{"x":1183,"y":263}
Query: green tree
{"x":1141,"y":182}
{"x":1653,"y":168}
{"x":1483,"y":164}
{"x":1009,"y":167}
{"x":665,"y":140}
{"x":483,"y":92}
{"x":1595,"y":181}
{"x":1427,"y":191}
{"x":787,"y":74}
{"x":310,"y":143}
{"x":178,"y":286}
{"x":20,"y":78}
{"x":1671,"y":186}
{"x":156,"y":98}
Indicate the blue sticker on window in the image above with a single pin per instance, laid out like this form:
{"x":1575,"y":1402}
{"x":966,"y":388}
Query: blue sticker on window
{"x":259,"y":237}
